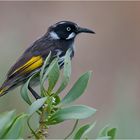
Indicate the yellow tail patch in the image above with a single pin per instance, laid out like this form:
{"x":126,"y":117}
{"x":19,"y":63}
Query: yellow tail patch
{"x":3,"y":90}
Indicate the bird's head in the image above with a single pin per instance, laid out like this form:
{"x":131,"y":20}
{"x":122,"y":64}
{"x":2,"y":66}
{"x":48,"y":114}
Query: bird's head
{"x":66,"y":30}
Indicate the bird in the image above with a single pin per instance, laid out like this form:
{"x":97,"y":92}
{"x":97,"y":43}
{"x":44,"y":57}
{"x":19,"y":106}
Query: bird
{"x":58,"y":39}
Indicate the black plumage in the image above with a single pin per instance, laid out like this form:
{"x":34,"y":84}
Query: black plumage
{"x":58,"y":39}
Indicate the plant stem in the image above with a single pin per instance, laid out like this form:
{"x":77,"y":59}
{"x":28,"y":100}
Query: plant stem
{"x":33,"y":132}
{"x":43,"y":128}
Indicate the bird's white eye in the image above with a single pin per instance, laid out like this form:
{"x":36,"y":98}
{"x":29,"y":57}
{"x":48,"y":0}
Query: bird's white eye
{"x":68,"y":29}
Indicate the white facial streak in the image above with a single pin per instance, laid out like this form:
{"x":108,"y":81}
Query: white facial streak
{"x":54,"y":35}
{"x":71,"y":35}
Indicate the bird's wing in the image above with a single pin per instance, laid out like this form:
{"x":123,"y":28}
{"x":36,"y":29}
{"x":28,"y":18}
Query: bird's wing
{"x":25,"y":65}
{"x":31,"y":59}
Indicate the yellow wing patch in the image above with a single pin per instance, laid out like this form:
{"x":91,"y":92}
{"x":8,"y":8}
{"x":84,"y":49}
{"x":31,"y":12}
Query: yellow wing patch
{"x":34,"y":63}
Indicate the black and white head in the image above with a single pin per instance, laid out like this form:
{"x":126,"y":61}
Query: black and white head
{"x":66,"y":30}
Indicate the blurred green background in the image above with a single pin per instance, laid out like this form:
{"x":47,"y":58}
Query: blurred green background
{"x":113,"y":55}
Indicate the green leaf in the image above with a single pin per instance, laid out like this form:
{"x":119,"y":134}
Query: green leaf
{"x":84,"y":130}
{"x":106,"y":132}
{"x":46,"y":74}
{"x":16,"y":128}
{"x":67,"y":72}
{"x":103,"y":131}
{"x":31,"y":129}
{"x":36,"y":105}
{"x":77,"y":90}
{"x":104,"y":138}
{"x":5,"y":119}
{"x":46,"y":62}
{"x":53,"y":76}
{"x":72,"y":112}
{"x":112,"y":133}
{"x":24,"y":91}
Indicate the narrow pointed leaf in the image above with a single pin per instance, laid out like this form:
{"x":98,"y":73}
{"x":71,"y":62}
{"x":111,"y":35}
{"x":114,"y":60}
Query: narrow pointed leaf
{"x":66,"y":73}
{"x":103,"y":131}
{"x":112,"y":133}
{"x":36,"y":105}
{"x":25,"y":91}
{"x":77,"y":90}
{"x":46,"y":62}
{"x":83,"y":131}
{"x":16,"y":128}
{"x":53,"y":76}
{"x":80,"y":132}
{"x":5,"y":119}
{"x":72,"y":112}
{"x":46,"y":73}
{"x":107,"y":132}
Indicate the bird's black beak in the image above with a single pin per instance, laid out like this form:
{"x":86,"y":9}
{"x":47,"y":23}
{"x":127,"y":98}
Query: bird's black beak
{"x":85,"y":30}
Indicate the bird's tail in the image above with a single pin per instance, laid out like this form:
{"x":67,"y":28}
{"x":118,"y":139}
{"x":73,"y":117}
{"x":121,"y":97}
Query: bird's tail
{"x":3,"y":90}
{"x":7,"y":86}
